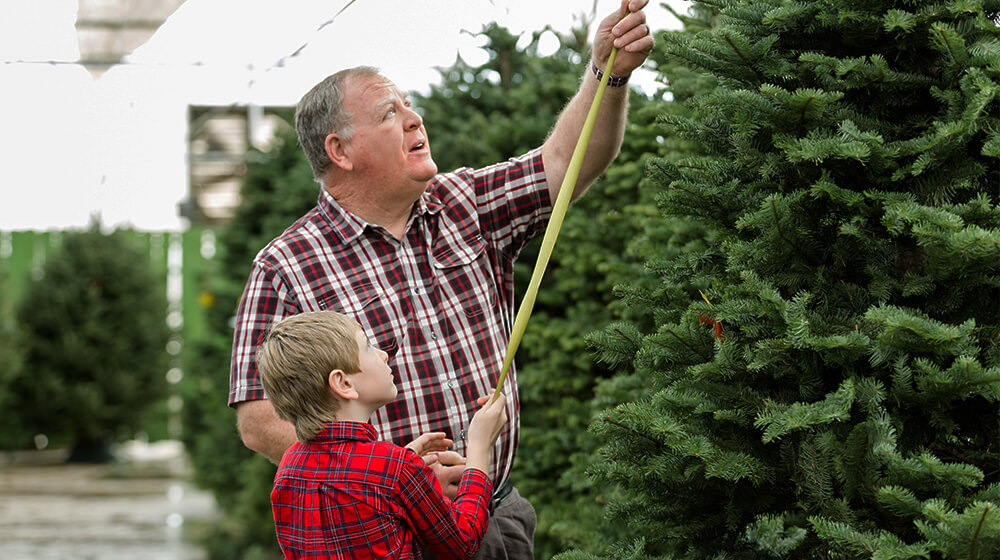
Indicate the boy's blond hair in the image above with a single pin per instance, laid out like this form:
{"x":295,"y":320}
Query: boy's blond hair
{"x":295,"y":361}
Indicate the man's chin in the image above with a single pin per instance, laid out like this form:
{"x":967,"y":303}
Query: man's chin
{"x":432,"y":168}
{"x":427,"y":175}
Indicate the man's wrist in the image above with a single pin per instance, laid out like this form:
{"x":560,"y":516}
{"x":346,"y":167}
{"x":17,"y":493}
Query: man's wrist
{"x":613,"y":81}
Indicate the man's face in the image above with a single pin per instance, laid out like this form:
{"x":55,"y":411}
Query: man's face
{"x":389,"y":144}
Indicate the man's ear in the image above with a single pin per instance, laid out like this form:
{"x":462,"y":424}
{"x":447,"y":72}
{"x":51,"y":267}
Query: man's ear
{"x":342,"y":385}
{"x":336,"y":150}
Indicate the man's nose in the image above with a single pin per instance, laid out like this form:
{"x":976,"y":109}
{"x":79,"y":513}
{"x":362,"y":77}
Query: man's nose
{"x":413,"y":119}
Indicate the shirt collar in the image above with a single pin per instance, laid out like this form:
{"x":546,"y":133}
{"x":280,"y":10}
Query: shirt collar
{"x":428,"y":203}
{"x":349,"y":227}
{"x":333,"y":432}
{"x":346,"y":226}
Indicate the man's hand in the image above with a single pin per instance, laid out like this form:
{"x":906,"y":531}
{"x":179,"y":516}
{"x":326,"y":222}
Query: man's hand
{"x":448,"y":467}
{"x":627,"y":30}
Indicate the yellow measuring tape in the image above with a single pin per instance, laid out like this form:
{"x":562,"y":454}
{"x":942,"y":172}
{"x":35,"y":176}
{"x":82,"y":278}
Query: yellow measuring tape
{"x":555,"y":223}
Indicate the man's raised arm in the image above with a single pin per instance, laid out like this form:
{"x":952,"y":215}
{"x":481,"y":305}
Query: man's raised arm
{"x":630,"y":34}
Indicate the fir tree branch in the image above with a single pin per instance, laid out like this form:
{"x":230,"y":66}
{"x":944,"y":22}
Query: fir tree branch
{"x":673,"y":184}
{"x":608,"y":420}
{"x":979,"y":527}
{"x":623,"y":334}
{"x":688,"y":345}
{"x":805,"y":107}
{"x":789,"y":242}
{"x":952,"y":453}
{"x":746,"y":61}
{"x":951,"y":50}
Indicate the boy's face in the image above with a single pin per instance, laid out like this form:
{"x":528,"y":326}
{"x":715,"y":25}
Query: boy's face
{"x":374,"y":382}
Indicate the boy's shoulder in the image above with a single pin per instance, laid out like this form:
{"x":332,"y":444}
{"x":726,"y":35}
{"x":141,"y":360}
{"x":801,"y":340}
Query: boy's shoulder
{"x":353,"y":444}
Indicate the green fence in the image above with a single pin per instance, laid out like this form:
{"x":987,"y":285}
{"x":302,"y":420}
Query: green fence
{"x":181,"y":257}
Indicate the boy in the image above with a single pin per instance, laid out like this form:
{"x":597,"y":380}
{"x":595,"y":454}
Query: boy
{"x":340,"y":493}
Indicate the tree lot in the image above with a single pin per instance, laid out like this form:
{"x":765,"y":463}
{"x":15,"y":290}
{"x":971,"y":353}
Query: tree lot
{"x":827,"y":175}
{"x":847,"y":172}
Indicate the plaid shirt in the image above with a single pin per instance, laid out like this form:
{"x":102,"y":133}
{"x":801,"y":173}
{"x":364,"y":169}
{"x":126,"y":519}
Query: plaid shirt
{"x":345,"y":495}
{"x":440,"y":300}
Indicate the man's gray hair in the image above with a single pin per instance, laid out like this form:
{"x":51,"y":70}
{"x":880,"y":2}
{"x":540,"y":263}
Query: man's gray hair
{"x":320,"y":113}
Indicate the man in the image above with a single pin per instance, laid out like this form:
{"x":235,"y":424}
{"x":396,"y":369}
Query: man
{"x":423,"y":261}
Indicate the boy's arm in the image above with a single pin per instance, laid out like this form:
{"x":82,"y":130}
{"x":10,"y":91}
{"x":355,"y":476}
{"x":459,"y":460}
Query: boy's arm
{"x":446,"y":528}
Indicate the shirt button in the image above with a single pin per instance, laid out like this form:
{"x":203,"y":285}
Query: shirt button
{"x":452,"y":384}
{"x":462,"y":435}
{"x":434,"y":336}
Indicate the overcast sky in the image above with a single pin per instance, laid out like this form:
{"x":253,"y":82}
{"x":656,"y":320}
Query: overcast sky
{"x":73,"y":146}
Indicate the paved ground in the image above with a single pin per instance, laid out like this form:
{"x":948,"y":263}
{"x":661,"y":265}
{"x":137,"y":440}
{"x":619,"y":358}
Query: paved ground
{"x":141,"y":508}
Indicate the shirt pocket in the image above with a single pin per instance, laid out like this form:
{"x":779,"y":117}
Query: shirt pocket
{"x":463,"y":275}
{"x":373,"y":310}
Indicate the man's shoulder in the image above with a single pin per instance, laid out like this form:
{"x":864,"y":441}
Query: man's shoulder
{"x":303,"y":236}
{"x":452,"y":182}
{"x":457,"y":183}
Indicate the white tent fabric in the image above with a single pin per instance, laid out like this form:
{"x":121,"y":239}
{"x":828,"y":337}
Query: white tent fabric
{"x":74,"y":147}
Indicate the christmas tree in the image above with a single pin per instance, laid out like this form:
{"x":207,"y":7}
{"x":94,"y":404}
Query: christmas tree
{"x":823,"y":377}
{"x":92,"y":332}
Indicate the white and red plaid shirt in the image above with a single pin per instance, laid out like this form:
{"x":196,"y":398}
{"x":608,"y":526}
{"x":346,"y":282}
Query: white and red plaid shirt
{"x":440,"y":301}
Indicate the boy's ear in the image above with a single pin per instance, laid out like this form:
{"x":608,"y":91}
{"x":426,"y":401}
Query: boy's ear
{"x":336,"y":150}
{"x":342,"y":385}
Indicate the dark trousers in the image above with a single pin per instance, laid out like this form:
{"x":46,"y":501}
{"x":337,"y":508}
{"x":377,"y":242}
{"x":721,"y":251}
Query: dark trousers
{"x":511,"y":532}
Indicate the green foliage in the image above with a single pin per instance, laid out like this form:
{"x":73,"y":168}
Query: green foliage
{"x":846,"y":180}
{"x":278,"y":189}
{"x":92,"y":333}
{"x":10,"y":357}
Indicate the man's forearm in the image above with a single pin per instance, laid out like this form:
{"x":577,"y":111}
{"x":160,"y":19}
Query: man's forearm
{"x":262,"y":430}
{"x":625,"y":30}
{"x":605,"y":141}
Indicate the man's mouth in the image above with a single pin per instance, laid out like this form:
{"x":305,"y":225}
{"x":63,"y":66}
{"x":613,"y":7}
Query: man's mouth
{"x":418,"y":146}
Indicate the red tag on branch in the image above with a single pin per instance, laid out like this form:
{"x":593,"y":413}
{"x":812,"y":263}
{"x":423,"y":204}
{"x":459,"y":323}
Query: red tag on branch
{"x":706,"y":321}
{"x":717,"y":325}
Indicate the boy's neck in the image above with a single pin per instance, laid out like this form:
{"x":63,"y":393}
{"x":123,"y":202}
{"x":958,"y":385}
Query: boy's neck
{"x":352,"y":411}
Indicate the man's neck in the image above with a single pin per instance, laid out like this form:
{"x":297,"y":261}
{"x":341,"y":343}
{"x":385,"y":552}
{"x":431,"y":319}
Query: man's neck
{"x":388,"y":212}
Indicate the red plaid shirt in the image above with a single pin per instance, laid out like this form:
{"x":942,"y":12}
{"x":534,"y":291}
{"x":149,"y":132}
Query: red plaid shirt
{"x":440,"y":301}
{"x":345,"y":495}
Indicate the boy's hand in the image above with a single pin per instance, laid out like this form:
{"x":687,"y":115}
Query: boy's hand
{"x":430,"y":442}
{"x":492,"y":417}
{"x":484,"y":429}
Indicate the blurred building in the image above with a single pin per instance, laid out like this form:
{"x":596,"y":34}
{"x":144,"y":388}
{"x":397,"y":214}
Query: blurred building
{"x":219,"y":137}
{"x":107,"y":30}
{"x":219,"y":142}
